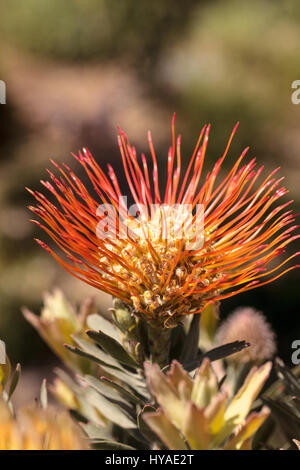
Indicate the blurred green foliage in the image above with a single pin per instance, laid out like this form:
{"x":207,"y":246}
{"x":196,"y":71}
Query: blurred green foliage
{"x":93,"y":29}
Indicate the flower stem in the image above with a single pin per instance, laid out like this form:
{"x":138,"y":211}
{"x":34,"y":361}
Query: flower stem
{"x":159,"y":341}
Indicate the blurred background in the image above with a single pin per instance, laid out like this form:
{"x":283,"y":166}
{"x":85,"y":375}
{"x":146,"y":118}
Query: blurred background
{"x":75,"y":70}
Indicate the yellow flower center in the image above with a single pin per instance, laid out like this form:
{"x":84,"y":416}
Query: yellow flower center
{"x":157,"y":266}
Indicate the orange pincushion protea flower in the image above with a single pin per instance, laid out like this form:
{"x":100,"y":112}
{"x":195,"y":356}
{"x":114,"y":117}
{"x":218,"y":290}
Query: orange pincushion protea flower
{"x":147,"y":261}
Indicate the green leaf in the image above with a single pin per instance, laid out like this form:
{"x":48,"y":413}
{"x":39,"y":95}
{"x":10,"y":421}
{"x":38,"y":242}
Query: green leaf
{"x":2,"y":353}
{"x":263,"y":434}
{"x":208,"y":324}
{"x":178,"y":337}
{"x":166,"y":431}
{"x":44,"y":395}
{"x":111,"y":346}
{"x":104,"y":389}
{"x":92,"y":351}
{"x":98,"y":323}
{"x":111,"y":410}
{"x":143,"y":426}
{"x":190,"y":348}
{"x":96,"y":432}
{"x":217,"y":353}
{"x":287,"y":420}
{"x":276,"y":389}
{"x":241,"y":404}
{"x":123,"y":317}
{"x":14,"y":381}
{"x":5,"y":371}
{"x":196,"y":428}
{"x":87,"y":411}
{"x":129,"y":395}
{"x":68,"y":380}
{"x":291,"y":382}
{"x":108,"y":364}
{"x":77,"y":416}
{"x":110,"y":445}
{"x":165,"y":393}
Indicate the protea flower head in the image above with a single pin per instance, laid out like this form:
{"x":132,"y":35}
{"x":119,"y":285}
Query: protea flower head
{"x":176,"y":250}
